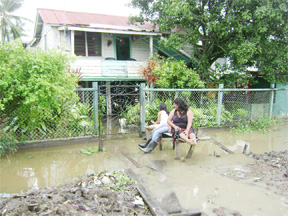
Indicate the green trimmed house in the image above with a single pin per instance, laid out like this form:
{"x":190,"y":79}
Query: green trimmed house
{"x":109,"y":48}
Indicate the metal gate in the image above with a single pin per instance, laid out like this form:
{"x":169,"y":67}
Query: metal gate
{"x":115,"y":98}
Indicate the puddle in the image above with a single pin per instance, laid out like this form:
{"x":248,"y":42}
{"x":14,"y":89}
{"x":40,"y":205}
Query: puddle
{"x":198,"y":182}
{"x":50,"y":166}
{"x":275,"y":140}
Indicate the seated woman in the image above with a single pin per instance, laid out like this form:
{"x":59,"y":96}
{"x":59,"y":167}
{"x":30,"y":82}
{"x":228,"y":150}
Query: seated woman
{"x":162,"y":117}
{"x":163,"y":127}
{"x":180,"y":119}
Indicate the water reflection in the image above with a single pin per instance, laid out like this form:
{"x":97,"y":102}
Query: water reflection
{"x":49,"y":166}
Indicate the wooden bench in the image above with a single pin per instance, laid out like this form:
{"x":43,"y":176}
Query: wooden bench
{"x":176,"y":148}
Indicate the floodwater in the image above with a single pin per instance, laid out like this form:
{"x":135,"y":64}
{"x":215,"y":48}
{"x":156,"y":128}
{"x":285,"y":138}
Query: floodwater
{"x":198,"y":182}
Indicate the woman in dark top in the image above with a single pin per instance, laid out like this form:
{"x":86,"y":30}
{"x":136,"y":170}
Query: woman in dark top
{"x":180,"y":119}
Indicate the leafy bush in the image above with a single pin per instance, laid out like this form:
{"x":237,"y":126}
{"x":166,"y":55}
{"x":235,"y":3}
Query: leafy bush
{"x":261,"y":125}
{"x":152,"y":109}
{"x":174,"y":74}
{"x":8,"y":144}
{"x":132,"y":114}
{"x":35,"y":88}
{"x":242,"y":116}
{"x":202,"y":117}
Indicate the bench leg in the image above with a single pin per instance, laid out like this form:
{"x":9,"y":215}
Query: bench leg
{"x":190,"y":152}
{"x":177,"y":150}
{"x":147,"y":133}
{"x":160,"y":143}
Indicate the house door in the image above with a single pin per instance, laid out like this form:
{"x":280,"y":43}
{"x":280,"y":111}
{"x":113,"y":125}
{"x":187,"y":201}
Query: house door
{"x":123,"y":48}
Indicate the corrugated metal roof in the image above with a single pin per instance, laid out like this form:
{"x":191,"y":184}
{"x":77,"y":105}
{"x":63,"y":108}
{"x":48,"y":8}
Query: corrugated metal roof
{"x":59,"y":17}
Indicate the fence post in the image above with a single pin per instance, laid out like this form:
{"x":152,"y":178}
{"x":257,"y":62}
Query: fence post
{"x":271,"y":101}
{"x":219,"y":106}
{"x":95,"y":103}
{"x":142,"y":108}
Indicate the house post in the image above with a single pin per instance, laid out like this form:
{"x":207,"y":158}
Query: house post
{"x":151,"y":46}
{"x":271,"y":101}
{"x":86,"y":45}
{"x":109,"y":106}
{"x":142,"y":109}
{"x":219,"y":107}
{"x":95,"y":103}
{"x":72,"y":42}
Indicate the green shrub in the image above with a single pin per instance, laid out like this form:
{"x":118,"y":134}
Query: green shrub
{"x":8,"y":144}
{"x":173,"y":74}
{"x":132,"y":114}
{"x":35,"y":90}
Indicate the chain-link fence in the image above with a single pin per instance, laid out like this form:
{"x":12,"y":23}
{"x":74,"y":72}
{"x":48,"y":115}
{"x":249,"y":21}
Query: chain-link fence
{"x":222,"y":107}
{"x":101,"y":111}
{"x":75,"y":119}
{"x":96,"y":111}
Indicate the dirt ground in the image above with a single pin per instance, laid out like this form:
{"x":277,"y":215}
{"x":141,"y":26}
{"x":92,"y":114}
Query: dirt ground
{"x":113,"y":194}
{"x":102,"y":194}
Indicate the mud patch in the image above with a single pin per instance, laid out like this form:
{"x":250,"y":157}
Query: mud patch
{"x":270,"y":168}
{"x":101,"y":194}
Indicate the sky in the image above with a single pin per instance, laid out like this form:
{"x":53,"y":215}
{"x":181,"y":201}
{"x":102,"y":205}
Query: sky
{"x":111,"y":7}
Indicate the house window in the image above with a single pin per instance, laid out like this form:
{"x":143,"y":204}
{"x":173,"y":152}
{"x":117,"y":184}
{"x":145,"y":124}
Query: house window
{"x":87,"y":43}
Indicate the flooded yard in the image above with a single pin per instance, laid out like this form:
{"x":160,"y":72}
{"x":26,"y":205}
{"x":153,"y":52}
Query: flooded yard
{"x":212,"y":180}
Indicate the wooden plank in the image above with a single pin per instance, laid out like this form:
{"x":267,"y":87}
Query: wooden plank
{"x":136,"y":164}
{"x":171,"y":203}
{"x":153,"y":204}
{"x":220,"y":145}
{"x":191,"y":212}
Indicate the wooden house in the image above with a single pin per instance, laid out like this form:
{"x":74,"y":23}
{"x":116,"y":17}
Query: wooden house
{"x":109,"y":49}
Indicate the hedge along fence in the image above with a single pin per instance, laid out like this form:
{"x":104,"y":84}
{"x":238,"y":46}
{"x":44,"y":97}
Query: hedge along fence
{"x":219,"y":107}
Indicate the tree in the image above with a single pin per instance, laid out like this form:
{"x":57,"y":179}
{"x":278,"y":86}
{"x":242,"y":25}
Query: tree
{"x":11,"y":26}
{"x":248,"y":32}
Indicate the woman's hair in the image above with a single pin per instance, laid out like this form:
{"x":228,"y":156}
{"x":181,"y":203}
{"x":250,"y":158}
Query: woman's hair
{"x":182,"y":106}
{"x":162,"y":106}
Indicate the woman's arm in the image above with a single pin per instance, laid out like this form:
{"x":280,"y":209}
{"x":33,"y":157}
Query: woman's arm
{"x":190,"y":119}
{"x":170,"y":118}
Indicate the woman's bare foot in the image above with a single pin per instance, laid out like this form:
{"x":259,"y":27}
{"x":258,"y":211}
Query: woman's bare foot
{"x":192,"y":141}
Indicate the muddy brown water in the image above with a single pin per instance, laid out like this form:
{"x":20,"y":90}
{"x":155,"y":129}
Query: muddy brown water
{"x":198,"y":182}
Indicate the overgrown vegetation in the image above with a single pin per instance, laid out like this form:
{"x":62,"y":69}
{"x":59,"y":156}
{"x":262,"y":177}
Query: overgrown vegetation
{"x":37,"y":96}
{"x":261,"y":125}
{"x":238,"y":119}
{"x":249,"y":33}
{"x":173,"y":74}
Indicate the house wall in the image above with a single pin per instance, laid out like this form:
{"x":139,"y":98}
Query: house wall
{"x":47,"y":38}
{"x":107,"y":51}
{"x":141,"y":50}
{"x":96,"y":67}
{"x":93,"y":67}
